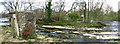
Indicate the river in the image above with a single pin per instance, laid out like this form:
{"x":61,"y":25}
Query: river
{"x":112,"y":27}
{"x":3,"y":22}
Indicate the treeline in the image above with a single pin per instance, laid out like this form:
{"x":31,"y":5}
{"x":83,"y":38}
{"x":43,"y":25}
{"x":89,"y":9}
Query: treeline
{"x":82,"y":11}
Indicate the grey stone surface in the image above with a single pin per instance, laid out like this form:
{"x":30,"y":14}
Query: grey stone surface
{"x":26,"y":21}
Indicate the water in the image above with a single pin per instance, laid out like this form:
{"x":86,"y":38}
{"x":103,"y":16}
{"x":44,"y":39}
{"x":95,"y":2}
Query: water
{"x":4,"y":19}
{"x":111,"y":27}
{"x":3,"y":22}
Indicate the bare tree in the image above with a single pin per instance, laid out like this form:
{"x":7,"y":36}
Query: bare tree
{"x":61,"y":8}
{"x":74,"y":5}
{"x":30,"y":6}
{"x":13,"y":6}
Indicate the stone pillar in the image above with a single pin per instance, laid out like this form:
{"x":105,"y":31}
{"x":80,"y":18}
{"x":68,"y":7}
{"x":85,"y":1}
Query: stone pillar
{"x":26,"y":23}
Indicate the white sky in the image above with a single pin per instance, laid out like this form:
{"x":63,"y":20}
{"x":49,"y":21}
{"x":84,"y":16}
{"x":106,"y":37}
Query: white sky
{"x":112,"y":3}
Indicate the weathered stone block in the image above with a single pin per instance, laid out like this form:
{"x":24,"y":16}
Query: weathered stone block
{"x":26,"y":23}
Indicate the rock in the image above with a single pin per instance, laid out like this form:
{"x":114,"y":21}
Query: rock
{"x":40,"y":37}
{"x":60,"y":32}
{"x":20,"y":38}
{"x":89,"y":35}
{"x":49,"y":39}
{"x":75,"y":32}
{"x":1,"y":39}
{"x":21,"y":41}
{"x":59,"y":27}
{"x":92,"y":29}
{"x":32,"y":40}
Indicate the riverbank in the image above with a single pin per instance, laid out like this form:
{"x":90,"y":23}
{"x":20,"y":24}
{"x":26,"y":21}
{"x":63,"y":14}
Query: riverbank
{"x":81,"y":34}
{"x":6,"y":36}
{"x":40,"y":38}
{"x":4,"y":33}
{"x":75,"y":24}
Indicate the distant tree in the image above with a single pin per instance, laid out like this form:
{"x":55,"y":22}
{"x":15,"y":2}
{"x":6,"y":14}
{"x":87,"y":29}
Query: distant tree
{"x":118,"y":15}
{"x":61,"y":8}
{"x":118,"y":12}
{"x":49,"y":10}
{"x":13,"y":7}
{"x":10,"y":6}
{"x":96,"y":10}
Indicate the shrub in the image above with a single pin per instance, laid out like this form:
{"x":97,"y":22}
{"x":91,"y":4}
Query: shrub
{"x":73,"y":16}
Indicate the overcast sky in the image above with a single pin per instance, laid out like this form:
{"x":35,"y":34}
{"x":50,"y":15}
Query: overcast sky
{"x":112,"y":3}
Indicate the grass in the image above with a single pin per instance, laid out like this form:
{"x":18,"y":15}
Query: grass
{"x":5,"y":28}
{"x":29,"y":42}
{"x":49,"y":30}
{"x":72,"y":24}
{"x":32,"y":37}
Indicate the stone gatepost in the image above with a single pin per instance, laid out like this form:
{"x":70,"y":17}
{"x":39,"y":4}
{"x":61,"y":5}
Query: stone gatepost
{"x":24,"y":23}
